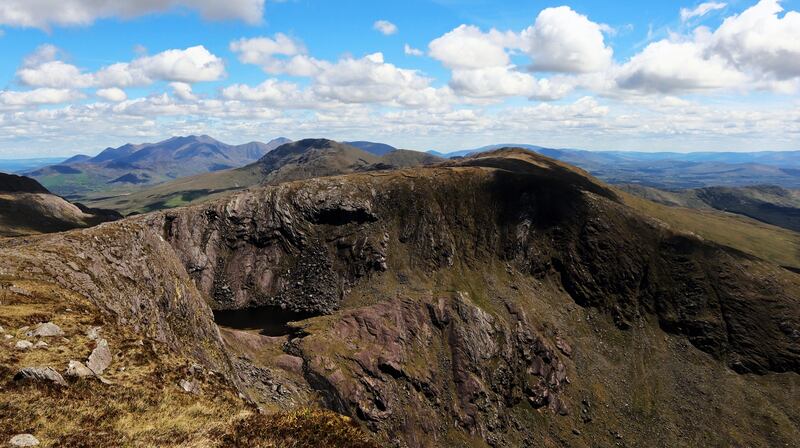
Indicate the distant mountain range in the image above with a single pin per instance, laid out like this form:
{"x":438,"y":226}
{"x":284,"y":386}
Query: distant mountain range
{"x":292,"y":161}
{"x":775,"y":158}
{"x":673,"y":170}
{"x":132,"y":167}
{"x":148,"y":163}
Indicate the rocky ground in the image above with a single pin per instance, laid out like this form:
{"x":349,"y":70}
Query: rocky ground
{"x":100,"y":360}
{"x":501,"y":300}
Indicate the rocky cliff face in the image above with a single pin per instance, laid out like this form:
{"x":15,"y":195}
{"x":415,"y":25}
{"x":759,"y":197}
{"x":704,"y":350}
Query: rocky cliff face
{"x":397,"y":250}
{"x":305,"y":245}
{"x":413,"y":367}
{"x":129,"y":272}
{"x":501,"y":300}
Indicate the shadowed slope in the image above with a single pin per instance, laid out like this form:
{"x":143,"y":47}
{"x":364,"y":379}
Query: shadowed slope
{"x":26,"y":207}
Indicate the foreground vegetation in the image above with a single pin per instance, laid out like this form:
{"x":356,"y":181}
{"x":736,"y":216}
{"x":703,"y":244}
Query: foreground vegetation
{"x":141,"y":402}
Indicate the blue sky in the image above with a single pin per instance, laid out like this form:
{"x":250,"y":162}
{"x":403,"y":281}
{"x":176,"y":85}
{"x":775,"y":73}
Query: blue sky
{"x":79,"y":75}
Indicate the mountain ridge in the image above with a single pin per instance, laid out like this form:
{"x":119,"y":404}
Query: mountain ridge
{"x":292,"y":161}
{"x":149,"y":163}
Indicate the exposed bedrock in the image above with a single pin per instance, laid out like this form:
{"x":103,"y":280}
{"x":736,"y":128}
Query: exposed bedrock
{"x":304,"y":245}
{"x":131,"y":273}
{"x":410,"y":368}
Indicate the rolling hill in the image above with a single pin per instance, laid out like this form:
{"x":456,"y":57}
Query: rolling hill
{"x":770,"y":204}
{"x":379,"y":149}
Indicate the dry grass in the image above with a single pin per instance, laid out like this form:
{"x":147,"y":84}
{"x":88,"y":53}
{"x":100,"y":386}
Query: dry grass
{"x":145,"y":407}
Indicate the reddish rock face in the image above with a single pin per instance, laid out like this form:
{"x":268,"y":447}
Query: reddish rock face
{"x":405,"y":363}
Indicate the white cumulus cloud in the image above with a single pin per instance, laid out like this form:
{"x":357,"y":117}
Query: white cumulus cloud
{"x":411,"y":51}
{"x":183,"y":91}
{"x":270,"y":91}
{"x":262,"y":50}
{"x":350,"y":80}
{"x":280,"y":54}
{"x":667,"y":67}
{"x":759,"y":39}
{"x":112,"y":94}
{"x":367,"y":79}
{"x":756,"y":49}
{"x":495,"y":82}
{"x":37,"y":97}
{"x":55,"y":74}
{"x":469,"y":47}
{"x":385,"y":27}
{"x":194,"y":64}
{"x":561,"y":40}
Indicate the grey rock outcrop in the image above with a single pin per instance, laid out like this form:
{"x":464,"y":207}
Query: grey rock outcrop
{"x":189,"y":386}
{"x":100,"y":358}
{"x":40,"y":374}
{"x":452,"y":358}
{"x":23,"y":440}
{"x":23,"y":345}
{"x":93,"y":333}
{"x":77,"y":369}
{"x":46,"y":330}
{"x":129,"y":272}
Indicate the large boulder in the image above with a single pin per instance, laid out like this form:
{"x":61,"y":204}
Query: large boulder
{"x":46,"y":330}
{"x":40,"y":374}
{"x":77,"y":369}
{"x":100,"y":358}
{"x":22,"y":440}
{"x":23,"y":345}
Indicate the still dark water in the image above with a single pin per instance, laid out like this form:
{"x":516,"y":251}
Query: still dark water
{"x":269,"y":320}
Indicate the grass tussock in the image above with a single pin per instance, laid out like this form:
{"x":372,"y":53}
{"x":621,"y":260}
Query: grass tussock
{"x":304,"y":428}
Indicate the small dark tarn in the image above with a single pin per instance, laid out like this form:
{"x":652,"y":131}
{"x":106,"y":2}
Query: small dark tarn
{"x":270,"y":320}
{"x":342,"y":216}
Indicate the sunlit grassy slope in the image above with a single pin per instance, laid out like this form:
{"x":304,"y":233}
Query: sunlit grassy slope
{"x":765,"y":241}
